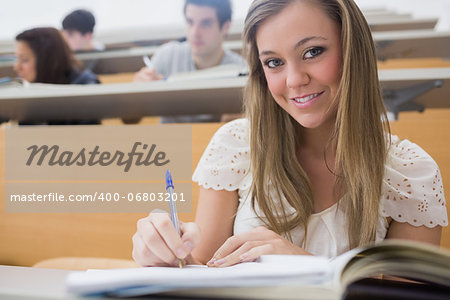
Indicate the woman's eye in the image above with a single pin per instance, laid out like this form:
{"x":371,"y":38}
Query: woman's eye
{"x":311,"y":53}
{"x":273,"y":63}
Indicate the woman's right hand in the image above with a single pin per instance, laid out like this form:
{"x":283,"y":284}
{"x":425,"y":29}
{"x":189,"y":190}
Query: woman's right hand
{"x":157,"y":243}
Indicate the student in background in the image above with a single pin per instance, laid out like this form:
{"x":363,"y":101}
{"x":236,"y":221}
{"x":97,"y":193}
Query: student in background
{"x":207,"y":24}
{"x":313,"y":169}
{"x":78,"y":30}
{"x":43,"y":56}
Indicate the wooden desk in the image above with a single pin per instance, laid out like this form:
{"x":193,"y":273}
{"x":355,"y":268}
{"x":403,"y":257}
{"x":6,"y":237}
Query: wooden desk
{"x":412,"y":44}
{"x":26,"y":239}
{"x":417,"y":63}
{"x":415,"y":89}
{"x":32,"y":283}
{"x":403,"y":24}
{"x":127,"y":100}
{"x":119,"y":78}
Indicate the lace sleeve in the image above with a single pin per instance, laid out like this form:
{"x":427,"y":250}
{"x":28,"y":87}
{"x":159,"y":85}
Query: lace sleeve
{"x":412,"y":188}
{"x":226,"y":161}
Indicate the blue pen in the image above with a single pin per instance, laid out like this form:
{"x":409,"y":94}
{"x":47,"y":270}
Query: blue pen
{"x":173,"y":208}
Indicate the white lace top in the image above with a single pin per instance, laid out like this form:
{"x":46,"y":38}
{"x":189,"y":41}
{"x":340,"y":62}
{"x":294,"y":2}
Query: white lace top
{"x":412,"y":190}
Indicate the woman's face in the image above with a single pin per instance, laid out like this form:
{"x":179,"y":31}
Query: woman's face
{"x":25,"y":66}
{"x":300,"y":51}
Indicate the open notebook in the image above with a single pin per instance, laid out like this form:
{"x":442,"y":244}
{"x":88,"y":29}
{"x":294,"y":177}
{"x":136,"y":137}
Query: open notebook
{"x":274,"y":276}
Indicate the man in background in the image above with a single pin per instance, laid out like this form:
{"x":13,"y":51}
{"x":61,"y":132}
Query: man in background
{"x":207,"y":24}
{"x":78,"y":30}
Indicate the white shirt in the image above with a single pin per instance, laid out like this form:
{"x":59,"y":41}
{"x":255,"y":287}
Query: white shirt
{"x":412,"y":190}
{"x":175,"y":57}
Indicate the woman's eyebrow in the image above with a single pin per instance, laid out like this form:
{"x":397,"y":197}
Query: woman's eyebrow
{"x":307,"y":39}
{"x":267,"y":52}
{"x":297,"y":45}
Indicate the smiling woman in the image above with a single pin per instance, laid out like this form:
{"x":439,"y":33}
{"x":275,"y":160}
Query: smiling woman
{"x":303,"y":72}
{"x":313,"y":169}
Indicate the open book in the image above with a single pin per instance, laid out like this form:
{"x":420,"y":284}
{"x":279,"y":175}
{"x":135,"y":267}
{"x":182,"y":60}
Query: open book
{"x":274,"y":276}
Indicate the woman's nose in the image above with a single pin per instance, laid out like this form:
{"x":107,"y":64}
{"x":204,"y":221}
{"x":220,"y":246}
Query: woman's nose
{"x":297,"y":77}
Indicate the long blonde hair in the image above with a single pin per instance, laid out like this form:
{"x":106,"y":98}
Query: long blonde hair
{"x":359,"y":137}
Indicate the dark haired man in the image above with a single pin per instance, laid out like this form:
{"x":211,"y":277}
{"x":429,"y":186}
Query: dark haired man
{"x":207,"y":24}
{"x":78,"y":29}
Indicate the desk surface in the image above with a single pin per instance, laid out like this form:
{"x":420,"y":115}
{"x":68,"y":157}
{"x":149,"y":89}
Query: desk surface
{"x":29,"y":283}
{"x":398,"y":80}
{"x":412,"y":44}
{"x":35,"y":283}
{"x":125,"y":100}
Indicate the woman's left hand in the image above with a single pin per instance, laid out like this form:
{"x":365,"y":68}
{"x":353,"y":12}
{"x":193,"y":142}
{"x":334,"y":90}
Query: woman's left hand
{"x":250,"y":245}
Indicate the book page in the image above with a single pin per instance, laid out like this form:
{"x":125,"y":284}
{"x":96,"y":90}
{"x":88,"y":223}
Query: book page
{"x":401,"y":258}
{"x":272,"y":269}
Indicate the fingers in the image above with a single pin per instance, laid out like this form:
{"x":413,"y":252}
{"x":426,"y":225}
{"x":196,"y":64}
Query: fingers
{"x":231,"y":244}
{"x":155,"y":250}
{"x":254,"y":253}
{"x":250,"y":245}
{"x":164,"y":227}
{"x":146,"y":74}
{"x":249,"y":251}
{"x":190,"y":235}
{"x":157,"y":242}
{"x":142,"y":254}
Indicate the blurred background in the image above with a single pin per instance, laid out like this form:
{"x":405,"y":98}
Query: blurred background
{"x":111,"y":15}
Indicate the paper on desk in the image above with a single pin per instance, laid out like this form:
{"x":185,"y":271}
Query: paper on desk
{"x":272,"y":269}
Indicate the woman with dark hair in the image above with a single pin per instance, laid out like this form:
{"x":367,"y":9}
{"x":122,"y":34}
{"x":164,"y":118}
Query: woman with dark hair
{"x":43,"y":56}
